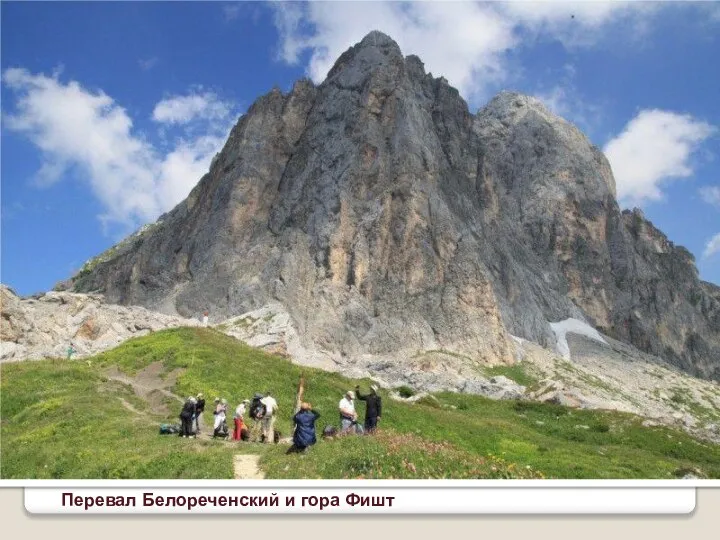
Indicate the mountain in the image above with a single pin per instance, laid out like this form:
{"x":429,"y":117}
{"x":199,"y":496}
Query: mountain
{"x":388,"y":220}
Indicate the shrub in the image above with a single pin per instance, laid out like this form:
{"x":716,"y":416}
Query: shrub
{"x":405,"y":391}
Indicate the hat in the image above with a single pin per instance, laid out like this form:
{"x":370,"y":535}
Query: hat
{"x":246,"y":401}
{"x":199,"y":396}
{"x":217,"y":399}
{"x":374,"y":387}
{"x":350,"y":394}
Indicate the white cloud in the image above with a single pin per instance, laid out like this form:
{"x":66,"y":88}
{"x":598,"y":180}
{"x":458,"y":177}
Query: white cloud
{"x":184,"y":109}
{"x":231,"y":11}
{"x":710,"y":194}
{"x":80,"y":130}
{"x":466,"y":42}
{"x":654,"y":148}
{"x":712,"y":247}
{"x":581,"y":22}
{"x":146,"y":64}
{"x":247,"y":10}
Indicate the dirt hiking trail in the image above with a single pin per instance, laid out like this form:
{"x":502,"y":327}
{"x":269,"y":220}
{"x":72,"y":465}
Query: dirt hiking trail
{"x":247,"y":467}
{"x":149,"y":385}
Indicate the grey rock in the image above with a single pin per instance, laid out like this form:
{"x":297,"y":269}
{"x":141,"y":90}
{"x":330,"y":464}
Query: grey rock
{"x":560,"y":398}
{"x":503,"y":381}
{"x":509,"y":390}
{"x":45,"y":326}
{"x":387,"y":219}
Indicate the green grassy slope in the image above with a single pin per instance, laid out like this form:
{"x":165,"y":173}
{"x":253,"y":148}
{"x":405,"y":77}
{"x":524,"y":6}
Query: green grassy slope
{"x":63,"y":419}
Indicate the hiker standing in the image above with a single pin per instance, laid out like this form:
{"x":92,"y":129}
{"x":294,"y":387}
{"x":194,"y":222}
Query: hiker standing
{"x":199,"y":409}
{"x":373,"y":407}
{"x":257,"y":411}
{"x":268,"y":419}
{"x":206,"y":314}
{"x":220,"y":410}
{"x":348,"y":416}
{"x":71,"y":350}
{"x":304,"y":434}
{"x":239,"y":420}
{"x":186,"y":418}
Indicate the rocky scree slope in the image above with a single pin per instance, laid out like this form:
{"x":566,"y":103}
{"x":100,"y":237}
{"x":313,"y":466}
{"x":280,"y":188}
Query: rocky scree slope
{"x":43,"y":326}
{"x":387,"y":220}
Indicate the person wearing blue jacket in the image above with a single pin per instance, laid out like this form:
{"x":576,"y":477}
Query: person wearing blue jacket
{"x":304,"y":435}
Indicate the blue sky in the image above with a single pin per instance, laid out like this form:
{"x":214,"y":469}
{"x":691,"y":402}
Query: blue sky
{"x":113,"y":111}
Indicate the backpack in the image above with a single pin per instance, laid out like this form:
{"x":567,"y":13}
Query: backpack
{"x":257,"y":408}
{"x":169,"y":429}
{"x":222,"y":430}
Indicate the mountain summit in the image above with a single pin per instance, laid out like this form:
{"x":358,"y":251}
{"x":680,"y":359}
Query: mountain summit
{"x":387,"y":219}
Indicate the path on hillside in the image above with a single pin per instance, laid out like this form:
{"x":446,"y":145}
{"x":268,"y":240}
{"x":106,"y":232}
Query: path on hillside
{"x":247,"y":467}
{"x":149,"y":385}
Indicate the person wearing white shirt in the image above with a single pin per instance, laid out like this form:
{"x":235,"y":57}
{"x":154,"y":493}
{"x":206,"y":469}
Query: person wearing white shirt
{"x":348,"y":416}
{"x":268,"y":421}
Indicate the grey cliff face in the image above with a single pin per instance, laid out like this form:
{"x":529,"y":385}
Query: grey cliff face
{"x":385,"y":218}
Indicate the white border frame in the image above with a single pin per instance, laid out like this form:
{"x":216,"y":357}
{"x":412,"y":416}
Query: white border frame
{"x":316,"y":484}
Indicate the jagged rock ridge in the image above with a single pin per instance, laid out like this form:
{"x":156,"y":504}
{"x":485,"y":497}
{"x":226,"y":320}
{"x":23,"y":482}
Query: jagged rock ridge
{"x":388,"y":220}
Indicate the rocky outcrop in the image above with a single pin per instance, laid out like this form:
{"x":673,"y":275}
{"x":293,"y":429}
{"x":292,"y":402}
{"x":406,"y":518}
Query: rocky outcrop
{"x":44,"y":326}
{"x":388,"y":220}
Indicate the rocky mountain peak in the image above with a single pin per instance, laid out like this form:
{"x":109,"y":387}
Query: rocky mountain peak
{"x":386,"y":219}
{"x":511,"y":116}
{"x":376,"y":51}
{"x":377,"y":39}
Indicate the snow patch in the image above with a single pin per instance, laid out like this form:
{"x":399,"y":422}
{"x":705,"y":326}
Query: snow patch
{"x":574,"y":326}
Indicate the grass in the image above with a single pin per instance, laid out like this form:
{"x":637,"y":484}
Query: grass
{"x":57,"y":422}
{"x":245,"y":322}
{"x":519,"y":372}
{"x":683,"y":397}
{"x":390,"y":454}
{"x":64,"y":419}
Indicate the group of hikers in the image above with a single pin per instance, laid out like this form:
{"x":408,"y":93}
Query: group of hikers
{"x":263,"y":410}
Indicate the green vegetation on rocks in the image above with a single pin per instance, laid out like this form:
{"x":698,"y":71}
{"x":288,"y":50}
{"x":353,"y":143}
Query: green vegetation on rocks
{"x":520,"y":372}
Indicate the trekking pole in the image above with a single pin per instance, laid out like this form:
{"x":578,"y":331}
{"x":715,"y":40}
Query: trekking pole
{"x":300,"y":392}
